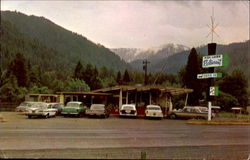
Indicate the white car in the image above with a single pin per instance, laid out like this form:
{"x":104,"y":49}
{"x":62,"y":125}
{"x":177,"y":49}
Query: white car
{"x":153,"y":111}
{"x":128,"y":110}
{"x":24,"y":106}
{"x":41,"y":109}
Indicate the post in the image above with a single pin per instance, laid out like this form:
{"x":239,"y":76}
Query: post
{"x":211,"y":51}
{"x":127,"y":97}
{"x":150,"y":97}
{"x":186,"y":99}
{"x":120,"y":99}
{"x":170,"y":104}
{"x":209,"y":111}
{"x":61,"y":98}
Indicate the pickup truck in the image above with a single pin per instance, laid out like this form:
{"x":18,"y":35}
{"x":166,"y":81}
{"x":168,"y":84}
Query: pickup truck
{"x":189,"y":112}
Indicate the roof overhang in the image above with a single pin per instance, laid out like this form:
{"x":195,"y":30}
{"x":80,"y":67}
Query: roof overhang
{"x":171,"y":90}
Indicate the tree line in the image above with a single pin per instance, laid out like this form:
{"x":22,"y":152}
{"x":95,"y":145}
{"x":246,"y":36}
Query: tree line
{"x":21,"y":78}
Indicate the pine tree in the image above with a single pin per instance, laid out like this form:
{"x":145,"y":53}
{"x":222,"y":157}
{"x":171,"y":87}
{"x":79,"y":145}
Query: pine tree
{"x":119,"y":78}
{"x":18,"y":68}
{"x":238,"y":86}
{"x":190,"y":78}
{"x":126,"y":78}
{"x":78,"y":71}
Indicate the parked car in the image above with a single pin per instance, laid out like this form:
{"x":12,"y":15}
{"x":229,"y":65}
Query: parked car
{"x":189,"y":112}
{"x":41,"y":109}
{"x":24,"y":106}
{"x":74,"y":108}
{"x":153,"y":111}
{"x":98,"y":110}
{"x":57,"y":106}
{"x":128,"y":110}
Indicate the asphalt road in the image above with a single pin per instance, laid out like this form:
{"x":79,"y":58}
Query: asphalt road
{"x":124,"y":138}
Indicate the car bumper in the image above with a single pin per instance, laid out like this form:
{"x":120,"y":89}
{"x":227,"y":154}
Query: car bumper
{"x":35,"y":114}
{"x":155,"y":116}
{"x":128,"y":115}
{"x":68,"y":113}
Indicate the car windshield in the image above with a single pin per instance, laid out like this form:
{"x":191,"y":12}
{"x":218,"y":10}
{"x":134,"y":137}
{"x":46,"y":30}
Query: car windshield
{"x":128,"y":107}
{"x":154,"y":108}
{"x":75,"y":105}
{"x":38,"y":105}
{"x":26,"y":104}
{"x":97,"y":107}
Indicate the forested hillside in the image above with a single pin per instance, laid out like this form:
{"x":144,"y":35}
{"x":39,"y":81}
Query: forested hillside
{"x":238,"y":58}
{"x":53,"y":44}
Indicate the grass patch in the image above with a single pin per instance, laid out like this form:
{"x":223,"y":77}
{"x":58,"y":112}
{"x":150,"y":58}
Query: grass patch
{"x":224,"y":118}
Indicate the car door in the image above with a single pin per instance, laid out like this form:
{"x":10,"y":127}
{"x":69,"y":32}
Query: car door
{"x":51,"y":110}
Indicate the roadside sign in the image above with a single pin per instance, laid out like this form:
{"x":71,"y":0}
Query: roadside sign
{"x":212,"y":61}
{"x":214,"y":91}
{"x":209,"y":75}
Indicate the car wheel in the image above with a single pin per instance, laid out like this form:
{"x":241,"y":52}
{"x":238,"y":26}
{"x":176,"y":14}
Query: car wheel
{"x":173,"y":116}
{"x":46,"y":116}
{"x":29,"y":116}
{"x":80,"y":115}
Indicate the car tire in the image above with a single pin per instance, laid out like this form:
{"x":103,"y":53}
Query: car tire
{"x":46,"y":116}
{"x":29,"y":116}
{"x":172,"y":116}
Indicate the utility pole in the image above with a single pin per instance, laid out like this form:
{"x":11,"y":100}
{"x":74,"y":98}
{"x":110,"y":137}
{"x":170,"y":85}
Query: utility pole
{"x":145,"y":68}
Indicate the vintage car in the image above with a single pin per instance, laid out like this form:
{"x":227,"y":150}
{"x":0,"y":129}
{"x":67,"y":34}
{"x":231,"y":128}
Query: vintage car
{"x":41,"y":109}
{"x":189,"y":112}
{"x":24,"y":106}
{"x":97,"y":110}
{"x":153,"y":111}
{"x":74,"y":108}
{"x":128,"y":110}
{"x":57,"y":106}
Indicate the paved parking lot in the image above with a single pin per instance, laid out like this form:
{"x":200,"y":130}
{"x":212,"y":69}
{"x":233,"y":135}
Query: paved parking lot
{"x":116,"y":137}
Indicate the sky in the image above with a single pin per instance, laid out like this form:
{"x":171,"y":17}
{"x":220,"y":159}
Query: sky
{"x":143,"y":24}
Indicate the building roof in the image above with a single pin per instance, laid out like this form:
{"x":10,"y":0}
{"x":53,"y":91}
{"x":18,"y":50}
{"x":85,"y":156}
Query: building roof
{"x":172,"y":90}
{"x":85,"y":93}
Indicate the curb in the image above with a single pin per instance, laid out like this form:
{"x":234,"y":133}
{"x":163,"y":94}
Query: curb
{"x":218,"y":123}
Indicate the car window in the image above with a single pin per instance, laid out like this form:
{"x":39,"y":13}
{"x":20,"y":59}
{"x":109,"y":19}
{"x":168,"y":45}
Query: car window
{"x":186,"y":109}
{"x":192,"y":110}
{"x":154,"y":108}
{"x":70,"y":104}
{"x":128,"y":107}
{"x":97,"y":107}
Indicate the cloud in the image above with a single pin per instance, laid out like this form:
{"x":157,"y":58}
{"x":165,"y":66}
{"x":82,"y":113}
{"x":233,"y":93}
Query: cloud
{"x":143,"y":23}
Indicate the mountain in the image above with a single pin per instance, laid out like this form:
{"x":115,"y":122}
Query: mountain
{"x":238,"y":54}
{"x":63,"y":47}
{"x":153,"y":54}
{"x":136,"y":56}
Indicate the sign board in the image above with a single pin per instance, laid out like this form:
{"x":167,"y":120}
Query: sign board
{"x":209,"y":75}
{"x":212,"y":61}
{"x":214,"y":91}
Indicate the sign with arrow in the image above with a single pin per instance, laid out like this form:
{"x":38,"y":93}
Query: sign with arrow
{"x":209,"y":75}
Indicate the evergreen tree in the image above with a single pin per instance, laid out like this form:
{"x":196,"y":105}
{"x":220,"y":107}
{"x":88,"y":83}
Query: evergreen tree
{"x":236,"y":85}
{"x":190,"y":78}
{"x":119,"y":78}
{"x":18,"y":68}
{"x":126,"y":77}
{"x":78,"y":71}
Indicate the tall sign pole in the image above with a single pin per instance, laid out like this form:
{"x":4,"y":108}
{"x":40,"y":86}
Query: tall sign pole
{"x":145,"y":68}
{"x":211,"y":51}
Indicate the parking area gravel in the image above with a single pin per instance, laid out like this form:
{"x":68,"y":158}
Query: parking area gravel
{"x":122,"y":138}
